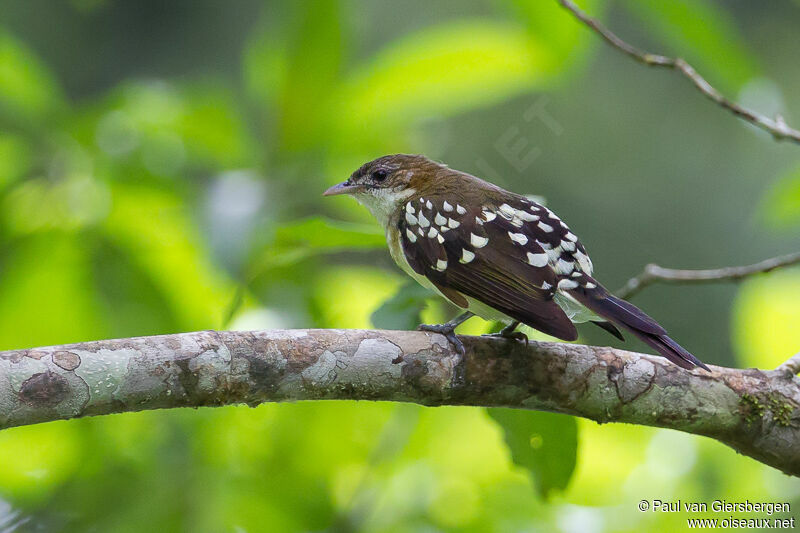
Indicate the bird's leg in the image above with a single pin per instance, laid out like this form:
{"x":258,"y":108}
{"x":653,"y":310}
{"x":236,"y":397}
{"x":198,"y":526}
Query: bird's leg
{"x":448,"y":329}
{"x":509,"y":333}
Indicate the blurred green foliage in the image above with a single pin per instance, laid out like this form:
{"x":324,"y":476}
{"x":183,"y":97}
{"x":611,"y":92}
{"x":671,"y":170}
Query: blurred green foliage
{"x":157,"y":178}
{"x":700,"y":31}
{"x":403,"y":310}
{"x":544,"y":443}
{"x":781,"y":207}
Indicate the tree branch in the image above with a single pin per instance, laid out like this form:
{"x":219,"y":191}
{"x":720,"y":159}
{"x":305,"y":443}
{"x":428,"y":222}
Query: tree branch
{"x":792,"y":366}
{"x":778,"y":127}
{"x":654,"y":273}
{"x":756,"y":412}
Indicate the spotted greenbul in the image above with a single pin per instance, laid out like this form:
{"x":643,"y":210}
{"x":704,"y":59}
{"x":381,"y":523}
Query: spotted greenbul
{"x":493,"y":253}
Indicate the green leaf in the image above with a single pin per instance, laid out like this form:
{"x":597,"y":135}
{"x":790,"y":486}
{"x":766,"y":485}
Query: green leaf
{"x":153,"y":228}
{"x":441,"y":70}
{"x":546,"y":444}
{"x":292,"y":68}
{"x":701,"y":32}
{"x":28,"y":90}
{"x":325,"y":234}
{"x":313,"y":70}
{"x":265,"y":64}
{"x":297,"y":241}
{"x":781,"y":206}
{"x":402,"y":311}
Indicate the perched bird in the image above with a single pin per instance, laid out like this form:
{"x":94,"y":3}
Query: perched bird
{"x":494,"y":253}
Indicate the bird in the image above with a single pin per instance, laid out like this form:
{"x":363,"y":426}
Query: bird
{"x":493,"y":253}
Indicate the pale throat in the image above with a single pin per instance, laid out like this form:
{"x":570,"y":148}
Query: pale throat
{"x":382,"y":203}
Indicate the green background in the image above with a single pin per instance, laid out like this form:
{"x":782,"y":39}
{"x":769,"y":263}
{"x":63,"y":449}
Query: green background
{"x":161,"y":170}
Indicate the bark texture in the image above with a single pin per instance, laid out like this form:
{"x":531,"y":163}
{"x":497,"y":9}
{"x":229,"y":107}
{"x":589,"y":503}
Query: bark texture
{"x":756,"y":412}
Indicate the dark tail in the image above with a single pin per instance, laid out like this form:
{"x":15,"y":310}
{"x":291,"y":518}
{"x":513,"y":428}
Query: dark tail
{"x":629,"y":317}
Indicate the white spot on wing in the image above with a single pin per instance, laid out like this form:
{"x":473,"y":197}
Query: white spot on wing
{"x":424,"y":222}
{"x":409,"y":208}
{"x":537,"y":260}
{"x":568,"y":246}
{"x":590,"y":285}
{"x":440,"y":238}
{"x":447,"y":207}
{"x":432,"y":233}
{"x":584,"y":262}
{"x":439,"y":219}
{"x":565,"y":267}
{"x":489,"y":215}
{"x":518,"y":238}
{"x":507,"y":211}
{"x":460,"y":210}
{"x":527,"y":217}
{"x":544,"y":227}
{"x":546,"y":285}
{"x":570,"y":236}
{"x":453,"y":223}
{"x":441,"y":265}
{"x":410,"y":235}
{"x":428,"y":204}
{"x":466,"y":256}
{"x":553,"y":216}
{"x":477,"y":241}
{"x":567,"y":284}
{"x":411,"y":219}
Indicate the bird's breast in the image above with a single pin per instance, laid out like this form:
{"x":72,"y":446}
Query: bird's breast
{"x":399,"y":256}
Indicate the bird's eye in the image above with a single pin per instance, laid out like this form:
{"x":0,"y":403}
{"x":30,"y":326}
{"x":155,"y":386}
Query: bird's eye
{"x":379,"y":175}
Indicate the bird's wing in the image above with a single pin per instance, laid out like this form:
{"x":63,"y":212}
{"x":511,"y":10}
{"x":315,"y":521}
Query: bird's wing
{"x":513,"y":257}
{"x":500,"y":255}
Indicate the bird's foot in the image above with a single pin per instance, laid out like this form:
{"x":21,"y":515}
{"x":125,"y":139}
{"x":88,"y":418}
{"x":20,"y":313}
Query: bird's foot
{"x":514,"y":335}
{"x":509,"y":333}
{"x":449,"y":332}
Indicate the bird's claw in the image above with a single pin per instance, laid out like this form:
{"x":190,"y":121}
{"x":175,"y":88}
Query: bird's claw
{"x":515,"y":335}
{"x":448,"y":330}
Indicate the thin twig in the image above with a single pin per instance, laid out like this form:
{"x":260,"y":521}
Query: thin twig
{"x":778,"y":127}
{"x":654,"y":273}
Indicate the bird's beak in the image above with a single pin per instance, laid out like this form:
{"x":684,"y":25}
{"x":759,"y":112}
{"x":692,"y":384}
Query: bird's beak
{"x":342,"y":188}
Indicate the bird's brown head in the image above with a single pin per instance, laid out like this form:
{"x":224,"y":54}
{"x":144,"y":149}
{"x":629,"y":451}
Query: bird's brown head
{"x":383,"y":184}
{"x":396,"y":173}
